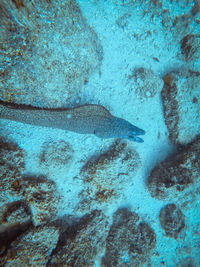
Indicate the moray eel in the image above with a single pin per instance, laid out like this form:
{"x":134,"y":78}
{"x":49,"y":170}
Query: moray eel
{"x":85,"y":119}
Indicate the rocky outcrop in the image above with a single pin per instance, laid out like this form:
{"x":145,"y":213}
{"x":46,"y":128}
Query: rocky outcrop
{"x":32,"y":248}
{"x":48,"y":52}
{"x":129,"y":242}
{"x":11,"y":169}
{"x":177,"y":173}
{"x":15,"y":219}
{"x":146,"y":82}
{"x":39,"y":193}
{"x":105,"y":176}
{"x":172,"y":220}
{"x":81,"y":242}
{"x":181,"y":100}
{"x":190,"y":47}
{"x":56,"y":155}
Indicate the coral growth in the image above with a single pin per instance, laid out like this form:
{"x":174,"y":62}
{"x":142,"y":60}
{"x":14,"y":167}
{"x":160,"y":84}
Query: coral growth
{"x":38,"y":192}
{"x":48,"y":51}
{"x":180,"y":96}
{"x":190,"y":47}
{"x":174,"y":175}
{"x":106,"y":175}
{"x":129,"y":242}
{"x":33,"y":248}
{"x":11,"y":169}
{"x":81,"y":242}
{"x":56,"y":154}
{"x":146,"y":82}
{"x":172,"y":220}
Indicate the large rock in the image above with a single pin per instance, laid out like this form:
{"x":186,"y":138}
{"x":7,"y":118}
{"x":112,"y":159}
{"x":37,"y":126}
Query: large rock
{"x":32,"y":248}
{"x":107,"y":175}
{"x":181,"y":100}
{"x":48,"y":52}
{"x":190,"y":47}
{"x":177,"y":173}
{"x":39,"y":193}
{"x":16,"y":211}
{"x":15,"y":219}
{"x":56,"y":155}
{"x":129,"y":242}
{"x":146,"y":82}
{"x":42,"y":197}
{"x":11,"y":170}
{"x":172,"y":220}
{"x":81,"y":242}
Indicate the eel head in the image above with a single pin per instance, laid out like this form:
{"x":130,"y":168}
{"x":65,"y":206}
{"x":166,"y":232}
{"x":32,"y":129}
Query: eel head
{"x":125,"y":129}
{"x":119,"y":128}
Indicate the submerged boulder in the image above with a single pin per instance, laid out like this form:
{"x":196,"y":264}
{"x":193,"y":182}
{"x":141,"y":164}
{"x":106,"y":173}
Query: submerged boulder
{"x":55,"y":155}
{"x":146,"y":83}
{"x":129,"y":241}
{"x":39,"y":193}
{"x":172,"y":220}
{"x":32,"y":248}
{"x":107,"y":175}
{"x":81,"y":242}
{"x":177,"y":173}
{"x":11,"y":169}
{"x":190,"y":47}
{"x":48,"y":52}
{"x":181,"y":100}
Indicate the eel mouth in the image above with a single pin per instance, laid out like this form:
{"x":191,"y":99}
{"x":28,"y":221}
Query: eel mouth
{"x":134,"y":135}
{"x":135,"y":138}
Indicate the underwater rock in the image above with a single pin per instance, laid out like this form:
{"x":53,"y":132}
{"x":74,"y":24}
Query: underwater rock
{"x":181,"y":100}
{"x":48,"y":52}
{"x":107,"y":175}
{"x":9,"y":232}
{"x":16,"y":211}
{"x":15,"y":219}
{"x":56,"y":154}
{"x":181,"y":22}
{"x":172,"y":220}
{"x":82,"y":242}
{"x":147,"y":83}
{"x":129,"y":242}
{"x":177,"y":173}
{"x":11,"y":169}
{"x":190,"y":47}
{"x":188,"y":262}
{"x":33,"y":248}
{"x":41,"y":195}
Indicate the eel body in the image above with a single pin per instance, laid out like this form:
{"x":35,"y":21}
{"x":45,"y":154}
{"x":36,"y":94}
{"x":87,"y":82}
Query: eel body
{"x":85,"y":119}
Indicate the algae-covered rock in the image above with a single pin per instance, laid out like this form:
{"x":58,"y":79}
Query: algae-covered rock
{"x":148,"y":83}
{"x":177,"y":173}
{"x":48,"y":52}
{"x":190,"y":47}
{"x":80,"y":243}
{"x":172,"y":220}
{"x":107,"y":175}
{"x":15,"y":219}
{"x":11,"y":169}
{"x":16,"y":211}
{"x":32,"y":248}
{"x":129,"y":242}
{"x":39,"y":193}
{"x":181,"y":100}
{"x":56,"y":154}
